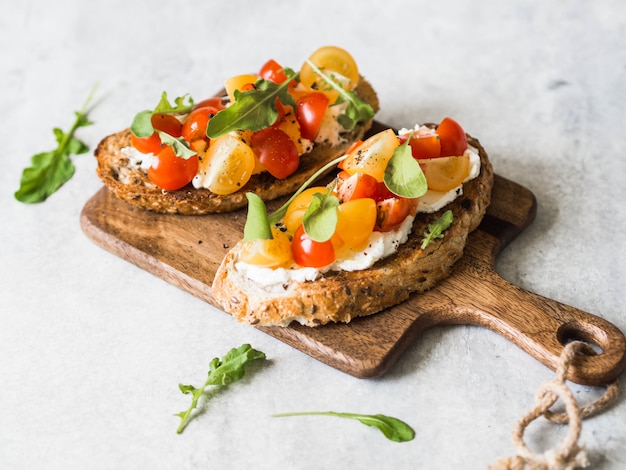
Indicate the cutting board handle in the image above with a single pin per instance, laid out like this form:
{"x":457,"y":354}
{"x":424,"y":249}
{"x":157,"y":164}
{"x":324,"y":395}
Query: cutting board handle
{"x":538,"y":325}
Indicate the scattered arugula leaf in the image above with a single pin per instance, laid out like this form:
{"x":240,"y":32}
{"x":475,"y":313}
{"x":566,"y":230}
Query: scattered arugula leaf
{"x":356,"y":111}
{"x":393,"y":428}
{"x":320,"y":218}
{"x":51,"y":170}
{"x":257,"y":224}
{"x":435,"y":230}
{"x":142,"y":122}
{"x":221,"y":372}
{"x":404,"y":176}
{"x":254,"y":109}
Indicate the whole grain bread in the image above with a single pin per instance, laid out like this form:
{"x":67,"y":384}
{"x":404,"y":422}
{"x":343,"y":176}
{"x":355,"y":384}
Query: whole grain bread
{"x":339,"y":296}
{"x":134,"y":186}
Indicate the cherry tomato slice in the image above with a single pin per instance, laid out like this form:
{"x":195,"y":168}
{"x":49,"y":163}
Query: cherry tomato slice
{"x":310,"y":253}
{"x":334,"y":62}
{"x":392,"y":212}
{"x":227,"y":165}
{"x":273,"y":71}
{"x":194,"y":126}
{"x":452,"y":137}
{"x":167,"y":123}
{"x":170,"y":172}
{"x":355,"y":222}
{"x":276,"y":152}
{"x":423,"y":146}
{"x":310,"y":110}
{"x":150,"y":144}
{"x":272,"y":253}
{"x":356,"y":186}
{"x":372,"y":156}
{"x":445,"y":173}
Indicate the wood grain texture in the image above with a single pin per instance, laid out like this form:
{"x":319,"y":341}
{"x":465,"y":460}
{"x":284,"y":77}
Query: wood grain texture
{"x":186,"y":251}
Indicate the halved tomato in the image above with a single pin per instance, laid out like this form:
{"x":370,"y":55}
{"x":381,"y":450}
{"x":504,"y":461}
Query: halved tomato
{"x":392,"y":212}
{"x":445,"y":173}
{"x":227,"y":165}
{"x":356,"y":186}
{"x":334,"y":62}
{"x":171,"y":172}
{"x":310,"y":110}
{"x":355,"y":222}
{"x":272,"y":253}
{"x":276,"y":151}
{"x":452,"y":137}
{"x":372,"y":156}
{"x":310,"y":253}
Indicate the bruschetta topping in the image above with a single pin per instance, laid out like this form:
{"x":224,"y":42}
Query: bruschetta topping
{"x":366,"y":212}
{"x":266,"y":122}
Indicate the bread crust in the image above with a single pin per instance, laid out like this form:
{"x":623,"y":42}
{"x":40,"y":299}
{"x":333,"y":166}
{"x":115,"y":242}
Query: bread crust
{"x":134,"y":186}
{"x":340,"y":296}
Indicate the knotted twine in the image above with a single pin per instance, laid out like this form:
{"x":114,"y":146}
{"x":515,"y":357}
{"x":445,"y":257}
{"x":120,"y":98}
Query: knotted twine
{"x":570,"y":455}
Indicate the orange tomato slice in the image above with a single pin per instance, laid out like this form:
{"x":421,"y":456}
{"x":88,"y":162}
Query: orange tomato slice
{"x":445,"y":173}
{"x":334,"y":62}
{"x":372,"y":156}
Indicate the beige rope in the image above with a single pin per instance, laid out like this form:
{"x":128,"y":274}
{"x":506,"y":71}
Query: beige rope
{"x":570,"y":455}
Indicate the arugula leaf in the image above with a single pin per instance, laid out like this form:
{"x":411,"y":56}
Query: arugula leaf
{"x":51,"y":170}
{"x":257,"y":224}
{"x":436,"y":229}
{"x":254,"y":109}
{"x":179,"y":145}
{"x":393,"y":428}
{"x":282,"y":210}
{"x":356,"y":110}
{"x":404,"y":176}
{"x":221,"y":372}
{"x":320,"y":218}
{"x":142,"y":122}
{"x":180,"y":106}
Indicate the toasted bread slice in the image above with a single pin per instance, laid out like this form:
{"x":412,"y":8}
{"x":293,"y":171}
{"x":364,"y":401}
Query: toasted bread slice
{"x":134,"y":186}
{"x":339,"y":296}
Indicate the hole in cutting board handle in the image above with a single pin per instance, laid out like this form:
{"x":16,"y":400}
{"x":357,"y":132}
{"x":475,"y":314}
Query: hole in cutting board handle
{"x":595,"y":337}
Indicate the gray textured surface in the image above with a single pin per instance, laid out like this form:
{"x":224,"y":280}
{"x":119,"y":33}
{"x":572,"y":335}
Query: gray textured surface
{"x":92,"y":348}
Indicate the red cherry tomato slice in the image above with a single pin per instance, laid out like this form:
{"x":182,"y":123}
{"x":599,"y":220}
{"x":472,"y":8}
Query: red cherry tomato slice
{"x":310,"y":253}
{"x":273,"y":71}
{"x":167,"y":123}
{"x":392,"y":212}
{"x":310,"y":110}
{"x":170,"y":172}
{"x":150,"y":144}
{"x":423,"y":146}
{"x":356,"y":186}
{"x":452,"y":138}
{"x":195,"y":124}
{"x":276,"y":151}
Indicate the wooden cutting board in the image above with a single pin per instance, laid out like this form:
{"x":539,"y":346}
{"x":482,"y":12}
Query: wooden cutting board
{"x":186,"y":251}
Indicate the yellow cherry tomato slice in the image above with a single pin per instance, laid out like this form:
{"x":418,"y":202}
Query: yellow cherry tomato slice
{"x":372,"y":156}
{"x":445,"y":173}
{"x":227,"y":165}
{"x":297,"y":208}
{"x":334,"y":62}
{"x":273,"y":253}
{"x":239,"y":82}
{"x":355,"y":222}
